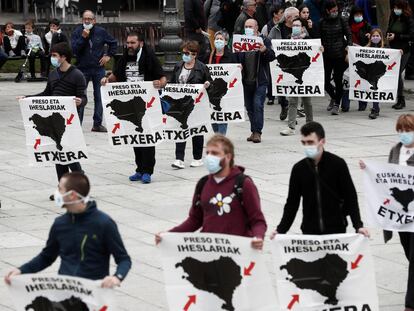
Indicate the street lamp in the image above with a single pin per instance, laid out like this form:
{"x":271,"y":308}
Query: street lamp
{"x":170,"y":43}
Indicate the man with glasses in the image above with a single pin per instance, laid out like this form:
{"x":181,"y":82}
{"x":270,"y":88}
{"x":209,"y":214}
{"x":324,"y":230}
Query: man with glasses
{"x":249,"y":9}
{"x":88,"y":44}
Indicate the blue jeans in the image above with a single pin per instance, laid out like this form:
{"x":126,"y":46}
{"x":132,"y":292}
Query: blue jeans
{"x":95,"y":75}
{"x":254,"y":97}
{"x":345,"y":100}
{"x":219,"y":128}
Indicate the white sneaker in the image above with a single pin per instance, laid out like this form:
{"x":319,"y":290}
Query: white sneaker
{"x":178,"y":164}
{"x":287,"y":132}
{"x":197,"y":163}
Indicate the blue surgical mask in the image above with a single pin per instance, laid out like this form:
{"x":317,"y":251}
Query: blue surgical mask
{"x":296,"y":31}
{"x":333,"y":15}
{"x":88,"y":26}
{"x":212,"y":163}
{"x":311,"y":152}
{"x":397,"y":12}
{"x":187,"y":58}
{"x":249,"y":31}
{"x":358,"y":19}
{"x":219,"y":44}
{"x":55,"y":62}
{"x":406,"y":138}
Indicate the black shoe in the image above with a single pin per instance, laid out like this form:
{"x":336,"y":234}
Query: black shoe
{"x":373,"y":114}
{"x":345,"y":109}
{"x":331,"y":104}
{"x":271,"y":102}
{"x":283,"y":113}
{"x":362,"y":107}
{"x":99,"y":128}
{"x":300,"y":113}
{"x":400,"y":103}
{"x":19,"y":77}
{"x":52,"y":197}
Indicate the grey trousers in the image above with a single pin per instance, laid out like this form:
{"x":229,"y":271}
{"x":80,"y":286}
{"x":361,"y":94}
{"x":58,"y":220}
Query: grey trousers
{"x":383,"y":14}
{"x":293,"y":110}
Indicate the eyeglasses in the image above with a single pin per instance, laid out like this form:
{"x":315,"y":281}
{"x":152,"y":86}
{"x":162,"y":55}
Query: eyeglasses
{"x":88,"y":18}
{"x":188,"y":53}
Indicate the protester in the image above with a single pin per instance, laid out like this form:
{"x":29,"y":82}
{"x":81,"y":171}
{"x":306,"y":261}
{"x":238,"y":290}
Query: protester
{"x":52,"y":37}
{"x":298,"y":32}
{"x":323,"y":182}
{"x":34,"y":48}
{"x":400,"y":32}
{"x":256,"y":75}
{"x":190,"y":71}
{"x":230,"y":10}
{"x":213,"y":14}
{"x":226,"y":201}
{"x":261,"y":14}
{"x":333,"y":27}
{"x":248,"y":11}
{"x":277,"y":17}
{"x":221,"y":54}
{"x":14,"y":41}
{"x":88,"y":43}
{"x":84,"y":238}
{"x":311,"y":28}
{"x":315,"y":10}
{"x":403,"y":154}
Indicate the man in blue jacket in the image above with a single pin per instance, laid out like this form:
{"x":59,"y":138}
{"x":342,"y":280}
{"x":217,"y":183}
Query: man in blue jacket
{"x":88,"y":44}
{"x":84,"y":238}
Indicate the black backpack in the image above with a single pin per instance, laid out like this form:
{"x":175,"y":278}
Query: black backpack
{"x":237,"y":188}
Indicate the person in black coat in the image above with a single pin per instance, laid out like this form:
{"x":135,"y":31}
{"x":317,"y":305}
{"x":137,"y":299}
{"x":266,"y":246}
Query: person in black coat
{"x":52,"y":37}
{"x":360,"y":28}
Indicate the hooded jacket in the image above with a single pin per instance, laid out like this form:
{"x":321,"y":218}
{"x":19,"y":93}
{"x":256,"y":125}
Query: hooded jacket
{"x":84,"y":242}
{"x":219,"y":212}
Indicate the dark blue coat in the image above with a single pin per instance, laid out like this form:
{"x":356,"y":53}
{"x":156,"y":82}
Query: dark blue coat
{"x":84,"y":242}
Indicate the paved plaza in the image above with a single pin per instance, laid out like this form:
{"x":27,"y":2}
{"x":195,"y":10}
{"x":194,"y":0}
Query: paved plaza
{"x":26,"y":213}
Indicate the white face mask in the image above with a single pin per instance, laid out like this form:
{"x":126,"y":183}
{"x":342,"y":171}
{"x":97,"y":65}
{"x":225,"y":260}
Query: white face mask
{"x":59,"y":202}
{"x":311,"y":152}
{"x":88,"y":26}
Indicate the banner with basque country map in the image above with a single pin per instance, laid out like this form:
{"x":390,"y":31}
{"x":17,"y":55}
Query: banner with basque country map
{"x":53,"y":131}
{"x":205,"y":271}
{"x":226,"y":93}
{"x":298,"y":68}
{"x":244,"y":43}
{"x":324,"y":272}
{"x":132,"y":112}
{"x":389,"y":196}
{"x":57,"y":292}
{"x":373,"y":74}
{"x":186,"y":111}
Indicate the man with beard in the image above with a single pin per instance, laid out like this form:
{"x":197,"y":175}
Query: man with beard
{"x":139,"y":63}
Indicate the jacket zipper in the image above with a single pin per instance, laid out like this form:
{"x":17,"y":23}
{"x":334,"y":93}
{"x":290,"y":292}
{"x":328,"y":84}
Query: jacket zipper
{"x":319,"y":201}
{"x":85,"y":237}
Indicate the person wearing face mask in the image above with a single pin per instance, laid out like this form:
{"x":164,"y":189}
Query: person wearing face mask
{"x":213,"y":14}
{"x":248,"y":12}
{"x":139,"y":63}
{"x":399,"y":34}
{"x":93,"y":47}
{"x":221,"y":54}
{"x":84,"y":238}
{"x":323,"y":182}
{"x":226,"y":201}
{"x":65,"y":80}
{"x":403,"y":154}
{"x":190,"y":71}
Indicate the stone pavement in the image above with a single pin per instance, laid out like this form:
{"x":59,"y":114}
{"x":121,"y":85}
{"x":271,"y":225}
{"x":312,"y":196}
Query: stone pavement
{"x":26,"y":214}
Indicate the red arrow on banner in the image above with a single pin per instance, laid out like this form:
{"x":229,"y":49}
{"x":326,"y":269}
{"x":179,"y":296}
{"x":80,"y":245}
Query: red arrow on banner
{"x":37,"y":143}
{"x":248,"y":270}
{"x":69,"y":121}
{"x":198,"y":99}
{"x":280,"y":78}
{"x":149,"y":104}
{"x":314,"y":59}
{"x":104,"y":308}
{"x":295,"y":299}
{"x":164,"y":120}
{"x":191,"y":300}
{"x":232,"y":83}
{"x":354,"y":264}
{"x":117,"y":126}
{"x":387,"y":201}
{"x":392,"y":65}
{"x":358,"y":82}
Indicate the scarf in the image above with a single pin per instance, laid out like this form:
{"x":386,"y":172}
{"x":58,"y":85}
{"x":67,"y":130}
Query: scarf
{"x":355,"y":28}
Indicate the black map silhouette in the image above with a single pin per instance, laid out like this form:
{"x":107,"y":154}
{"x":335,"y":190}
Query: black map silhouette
{"x":323,"y":275}
{"x":216,"y":91}
{"x":404,"y":197}
{"x":371,"y":72}
{"x":52,"y":126}
{"x":180,"y":108}
{"x":220,"y":277}
{"x":132,"y":110}
{"x":44,"y":304}
{"x":296,"y":65}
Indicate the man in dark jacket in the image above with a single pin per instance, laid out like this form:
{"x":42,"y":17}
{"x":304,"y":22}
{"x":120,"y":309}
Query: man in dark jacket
{"x":84,"y":238}
{"x":325,"y":185}
{"x":216,"y":208}
{"x":256,"y":75}
{"x":88,"y":44}
{"x":139,"y":63}
{"x":249,"y":9}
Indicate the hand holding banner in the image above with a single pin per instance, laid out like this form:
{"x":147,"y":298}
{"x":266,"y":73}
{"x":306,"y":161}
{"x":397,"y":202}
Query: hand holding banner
{"x":243,"y":43}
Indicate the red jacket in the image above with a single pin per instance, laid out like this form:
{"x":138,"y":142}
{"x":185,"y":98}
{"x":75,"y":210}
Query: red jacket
{"x":221,"y":211}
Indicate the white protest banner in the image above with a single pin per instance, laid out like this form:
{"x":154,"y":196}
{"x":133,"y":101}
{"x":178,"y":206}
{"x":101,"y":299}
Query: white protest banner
{"x":205,"y":271}
{"x":298,"y":68}
{"x":389,"y":196}
{"x":133,"y":113}
{"x":226,"y":93}
{"x":53,"y":131}
{"x":324,"y":272}
{"x":373,"y":74}
{"x":244,"y":43}
{"x":345,"y":80}
{"x":39,"y":292}
{"x":186,"y":111}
